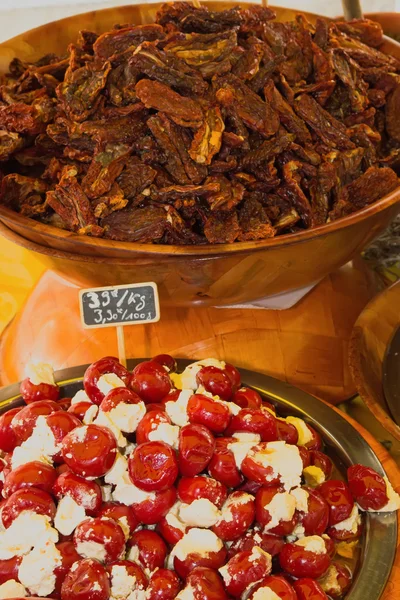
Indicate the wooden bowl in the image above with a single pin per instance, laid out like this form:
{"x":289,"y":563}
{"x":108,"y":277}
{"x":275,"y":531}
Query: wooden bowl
{"x":211,"y":275}
{"x":371,"y":335}
{"x":390,"y":21}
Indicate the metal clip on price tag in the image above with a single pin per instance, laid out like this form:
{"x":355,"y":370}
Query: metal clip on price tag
{"x":117,"y":306}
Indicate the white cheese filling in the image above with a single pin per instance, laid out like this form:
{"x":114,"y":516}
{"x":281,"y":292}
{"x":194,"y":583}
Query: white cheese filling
{"x":188,"y":593}
{"x":68,"y":516}
{"x":172,"y":517}
{"x":24,"y":533}
{"x":90,"y":549}
{"x":352,"y":522}
{"x":127,"y":493}
{"x":232,"y":502}
{"x":187,"y":379}
{"x":116,"y":473}
{"x":90,"y":415}
{"x":38,"y":373}
{"x":297,"y":533}
{"x":301,"y":498}
{"x":200,"y":513}
{"x":122,"y":584}
{"x":165,"y":432}
{"x":284,"y":460}
{"x":234,"y":409}
{"x":195,"y":541}
{"x":137,"y":594}
{"x":80,"y":396}
{"x":104,"y":420}
{"x":127,"y":416}
{"x":106,"y":491}
{"x":281,"y":508}
{"x":265,"y":593}
{"x":330,"y":582}
{"x":108,"y":382}
{"x":240,"y":448}
{"x":40,"y":446}
{"x":177,"y":411}
{"x":312,"y":543}
{"x":12,"y":589}
{"x":36,"y":571}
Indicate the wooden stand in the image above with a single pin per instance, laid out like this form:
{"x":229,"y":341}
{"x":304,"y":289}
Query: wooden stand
{"x":305,"y":345}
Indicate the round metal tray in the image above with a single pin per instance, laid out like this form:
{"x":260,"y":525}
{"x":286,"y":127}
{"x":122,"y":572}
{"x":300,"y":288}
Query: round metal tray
{"x":343,"y":443}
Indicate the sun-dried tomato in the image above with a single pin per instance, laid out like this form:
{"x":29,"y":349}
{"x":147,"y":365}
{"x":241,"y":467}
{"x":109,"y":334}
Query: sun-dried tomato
{"x":268,"y":150}
{"x":105,"y":167}
{"x":256,"y":114}
{"x":173,"y":140}
{"x":392,"y":114}
{"x":330,"y":130}
{"x":71,"y":203}
{"x":17,"y":189}
{"x":208,"y":139}
{"x":167,"y":68}
{"x":287,"y":116}
{"x":121,"y":84}
{"x":347,"y":71}
{"x":229,"y":195}
{"x":136,"y":224}
{"x":368,"y":32}
{"x":183,"y":111}
{"x":370,"y":186}
{"x":222,"y":227}
{"x":113,"y":200}
{"x":31,"y":120}
{"x":9,"y":144}
{"x":248,"y":64}
{"x":112,"y":45}
{"x":198,"y":49}
{"x":186,"y":17}
{"x":254,"y":222}
{"x":80,"y":93}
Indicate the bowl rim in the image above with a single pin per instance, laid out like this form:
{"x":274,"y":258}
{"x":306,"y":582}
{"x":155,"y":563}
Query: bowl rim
{"x":53,"y":233}
{"x":10,"y":218}
{"x":380,"y":537}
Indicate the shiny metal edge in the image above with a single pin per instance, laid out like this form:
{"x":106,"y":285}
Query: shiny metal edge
{"x":380,"y":538}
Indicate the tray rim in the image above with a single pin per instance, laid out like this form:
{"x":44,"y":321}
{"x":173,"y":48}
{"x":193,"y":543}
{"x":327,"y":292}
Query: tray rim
{"x":380,"y":536}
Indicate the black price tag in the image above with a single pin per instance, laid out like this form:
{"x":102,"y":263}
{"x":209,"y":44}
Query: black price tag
{"x":112,"y":306}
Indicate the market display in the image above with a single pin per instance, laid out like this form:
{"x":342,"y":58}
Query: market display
{"x":203,"y":127}
{"x":159,"y":485}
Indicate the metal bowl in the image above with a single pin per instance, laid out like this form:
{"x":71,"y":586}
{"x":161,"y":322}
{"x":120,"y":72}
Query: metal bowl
{"x":343,"y":443}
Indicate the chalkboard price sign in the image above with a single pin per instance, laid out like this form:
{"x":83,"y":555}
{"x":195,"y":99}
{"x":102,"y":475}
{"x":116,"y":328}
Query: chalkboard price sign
{"x":112,"y":306}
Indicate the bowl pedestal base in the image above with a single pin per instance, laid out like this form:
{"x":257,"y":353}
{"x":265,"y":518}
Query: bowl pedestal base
{"x":305,"y":345}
